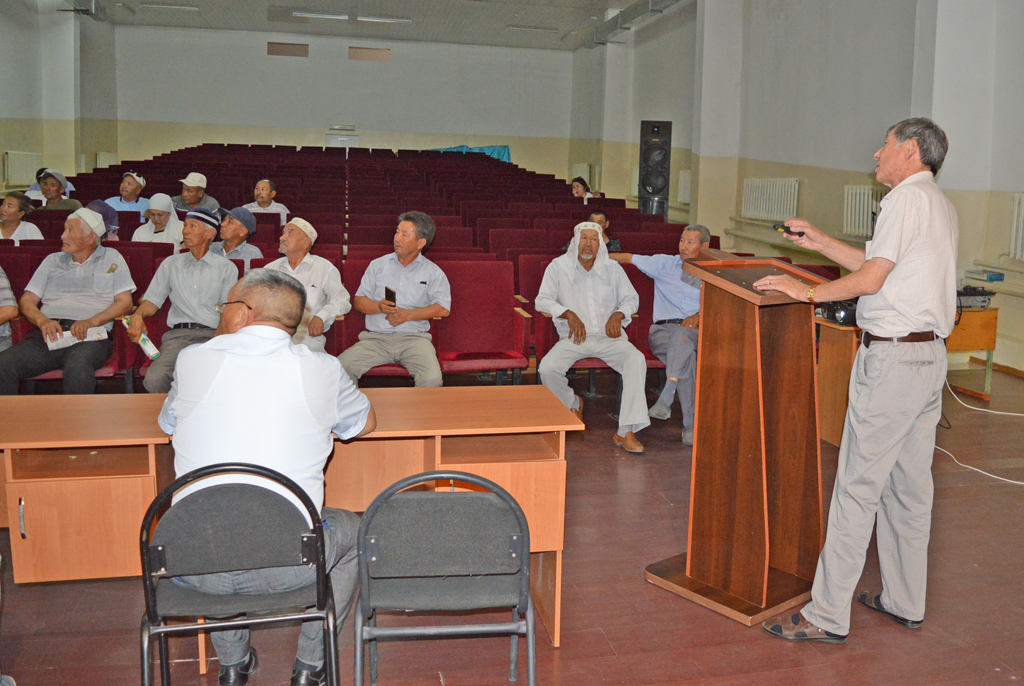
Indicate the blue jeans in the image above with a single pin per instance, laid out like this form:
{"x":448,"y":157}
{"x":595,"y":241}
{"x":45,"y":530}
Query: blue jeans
{"x":341,"y":528}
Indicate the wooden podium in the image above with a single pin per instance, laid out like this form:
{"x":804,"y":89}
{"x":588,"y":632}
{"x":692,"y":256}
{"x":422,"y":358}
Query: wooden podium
{"x":755,"y":497}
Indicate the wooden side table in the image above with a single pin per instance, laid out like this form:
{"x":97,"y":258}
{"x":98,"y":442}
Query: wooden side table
{"x":976,"y":330}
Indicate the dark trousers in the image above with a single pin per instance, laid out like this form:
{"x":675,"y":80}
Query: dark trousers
{"x":31,"y":358}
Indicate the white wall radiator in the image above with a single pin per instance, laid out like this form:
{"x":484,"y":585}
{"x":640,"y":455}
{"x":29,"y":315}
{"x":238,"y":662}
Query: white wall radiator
{"x":860,"y":208}
{"x":20,"y":167}
{"x":770,"y":199}
{"x":106,"y":159}
{"x":1017,"y":230}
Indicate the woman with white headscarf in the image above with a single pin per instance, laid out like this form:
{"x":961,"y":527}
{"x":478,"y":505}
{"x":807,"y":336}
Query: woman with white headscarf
{"x":591,"y":300}
{"x":163,"y":225}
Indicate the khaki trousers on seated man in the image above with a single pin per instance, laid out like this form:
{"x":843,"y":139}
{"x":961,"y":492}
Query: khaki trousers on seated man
{"x":590,"y":299}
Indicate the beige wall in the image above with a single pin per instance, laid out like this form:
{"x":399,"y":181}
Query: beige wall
{"x":97,"y":135}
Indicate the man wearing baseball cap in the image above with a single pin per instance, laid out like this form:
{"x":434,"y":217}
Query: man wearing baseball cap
{"x":129,"y":199}
{"x":52,"y":184}
{"x":85,"y":286}
{"x":236,"y":226}
{"x":193,"y":195}
{"x":326,"y":297}
{"x":195,"y":281}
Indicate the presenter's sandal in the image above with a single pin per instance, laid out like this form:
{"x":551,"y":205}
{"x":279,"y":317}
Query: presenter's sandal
{"x":628,"y":443}
{"x":874,"y":601}
{"x":238,"y":675}
{"x":305,"y":677}
{"x":793,"y":627}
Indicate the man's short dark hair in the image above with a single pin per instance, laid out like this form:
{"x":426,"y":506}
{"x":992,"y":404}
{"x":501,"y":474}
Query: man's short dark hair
{"x":932,"y":143}
{"x":273,"y":186}
{"x":705,"y":233}
{"x":600,"y":212}
{"x":425,"y":227}
{"x":274,"y":296}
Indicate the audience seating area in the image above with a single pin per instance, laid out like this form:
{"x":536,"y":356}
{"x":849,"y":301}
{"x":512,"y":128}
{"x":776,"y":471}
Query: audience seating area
{"x":498,"y":227}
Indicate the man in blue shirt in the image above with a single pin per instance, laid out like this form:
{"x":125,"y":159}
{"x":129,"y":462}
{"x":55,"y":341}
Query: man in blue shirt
{"x":673,"y":336}
{"x":129,"y":200}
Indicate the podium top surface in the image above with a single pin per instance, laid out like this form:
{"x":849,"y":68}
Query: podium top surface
{"x":737,"y":276}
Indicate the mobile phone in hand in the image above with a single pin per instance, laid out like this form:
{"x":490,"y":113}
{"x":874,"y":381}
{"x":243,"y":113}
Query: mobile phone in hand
{"x":389,"y":295}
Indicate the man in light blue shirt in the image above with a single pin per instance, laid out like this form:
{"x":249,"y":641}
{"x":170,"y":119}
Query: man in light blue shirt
{"x":129,"y":200}
{"x":195,"y":281}
{"x":398,"y":331}
{"x":673,"y":336}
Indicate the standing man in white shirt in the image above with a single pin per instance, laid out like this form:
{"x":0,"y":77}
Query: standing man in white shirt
{"x":399,"y":331}
{"x":906,"y":280}
{"x":265,"y":192}
{"x":673,"y":336}
{"x":132,"y":185}
{"x":591,"y":301}
{"x":326,"y":297}
{"x":304,"y":397}
{"x":195,"y":281}
{"x":236,"y":227}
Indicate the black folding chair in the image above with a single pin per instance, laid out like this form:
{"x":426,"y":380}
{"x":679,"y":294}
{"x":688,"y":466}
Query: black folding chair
{"x":444,"y":551}
{"x":225,"y":528}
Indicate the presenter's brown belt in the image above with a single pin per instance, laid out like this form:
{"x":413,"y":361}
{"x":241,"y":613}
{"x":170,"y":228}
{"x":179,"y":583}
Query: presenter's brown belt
{"x":916,"y":337}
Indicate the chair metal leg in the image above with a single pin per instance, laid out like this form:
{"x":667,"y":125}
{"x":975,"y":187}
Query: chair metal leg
{"x":513,"y":670}
{"x":129,"y":380}
{"x":147,"y":663}
{"x":531,"y":646}
{"x":499,"y":377}
{"x":517,"y":377}
{"x":373,"y":652}
{"x":357,"y":621}
{"x":331,"y":646}
{"x":165,"y":661}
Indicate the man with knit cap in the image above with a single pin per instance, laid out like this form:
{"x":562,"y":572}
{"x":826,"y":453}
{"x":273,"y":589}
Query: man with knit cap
{"x":591,"y":300}
{"x":236,"y":227}
{"x":74,"y":292}
{"x":195,"y":281}
{"x":193,"y":195}
{"x":326,"y":297}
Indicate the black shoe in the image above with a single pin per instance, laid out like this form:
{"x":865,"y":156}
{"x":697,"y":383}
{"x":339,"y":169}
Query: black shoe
{"x":238,"y":675}
{"x":874,"y":601}
{"x":304,"y":677}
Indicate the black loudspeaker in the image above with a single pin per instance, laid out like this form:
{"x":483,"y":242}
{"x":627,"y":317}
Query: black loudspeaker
{"x":655,"y":166}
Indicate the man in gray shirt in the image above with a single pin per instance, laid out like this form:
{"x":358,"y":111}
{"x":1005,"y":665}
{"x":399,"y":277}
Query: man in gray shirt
{"x":398,"y":331}
{"x":195,"y":282}
{"x":85,"y":286}
{"x":193,"y":195}
{"x":236,"y":227}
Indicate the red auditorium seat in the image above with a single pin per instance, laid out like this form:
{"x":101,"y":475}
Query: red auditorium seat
{"x":639,"y":329}
{"x":485,"y":224}
{"x":649,"y":243}
{"x":18,"y":268}
{"x":485,"y":331}
{"x":501,"y":240}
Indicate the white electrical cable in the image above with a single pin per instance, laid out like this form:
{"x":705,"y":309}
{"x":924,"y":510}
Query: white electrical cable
{"x":979,"y":409}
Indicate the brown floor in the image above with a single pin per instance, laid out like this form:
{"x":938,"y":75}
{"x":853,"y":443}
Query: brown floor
{"x":623,"y":512}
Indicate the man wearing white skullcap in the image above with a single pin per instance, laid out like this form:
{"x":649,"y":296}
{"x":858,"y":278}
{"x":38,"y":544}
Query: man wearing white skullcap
{"x":591,"y":301}
{"x":85,"y":286}
{"x":326,"y":297}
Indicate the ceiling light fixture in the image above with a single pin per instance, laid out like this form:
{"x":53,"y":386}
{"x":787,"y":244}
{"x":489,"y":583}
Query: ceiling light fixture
{"x":384,"y":20}
{"x":187,"y":8}
{"x":532,"y":29}
{"x":316,"y":15}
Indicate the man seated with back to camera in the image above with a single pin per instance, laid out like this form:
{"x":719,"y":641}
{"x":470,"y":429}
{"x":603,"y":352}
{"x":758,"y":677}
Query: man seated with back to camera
{"x":195,"y":281}
{"x":399,"y":332}
{"x":591,"y":301}
{"x":673,"y":336}
{"x":282,"y":402}
{"x":82,"y":287}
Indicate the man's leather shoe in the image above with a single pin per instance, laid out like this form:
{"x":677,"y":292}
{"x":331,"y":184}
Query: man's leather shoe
{"x":793,"y":627}
{"x":628,"y":442}
{"x":238,"y":675}
{"x":874,"y":601}
{"x":304,"y":677}
{"x":579,"y":410}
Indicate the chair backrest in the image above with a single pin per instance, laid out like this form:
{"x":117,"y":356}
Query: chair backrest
{"x":229,"y":527}
{"x":501,"y":240}
{"x":482,"y":320}
{"x":444,"y":550}
{"x":17,"y":267}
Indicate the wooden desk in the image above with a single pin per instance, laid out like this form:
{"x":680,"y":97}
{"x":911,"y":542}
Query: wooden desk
{"x":87,"y":467}
{"x":837,"y":348}
{"x":512,"y":435}
{"x":80,"y":472}
{"x":976,"y":330}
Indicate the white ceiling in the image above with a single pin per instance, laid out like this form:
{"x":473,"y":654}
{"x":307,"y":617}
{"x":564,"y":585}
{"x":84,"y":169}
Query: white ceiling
{"x":479,"y":22}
